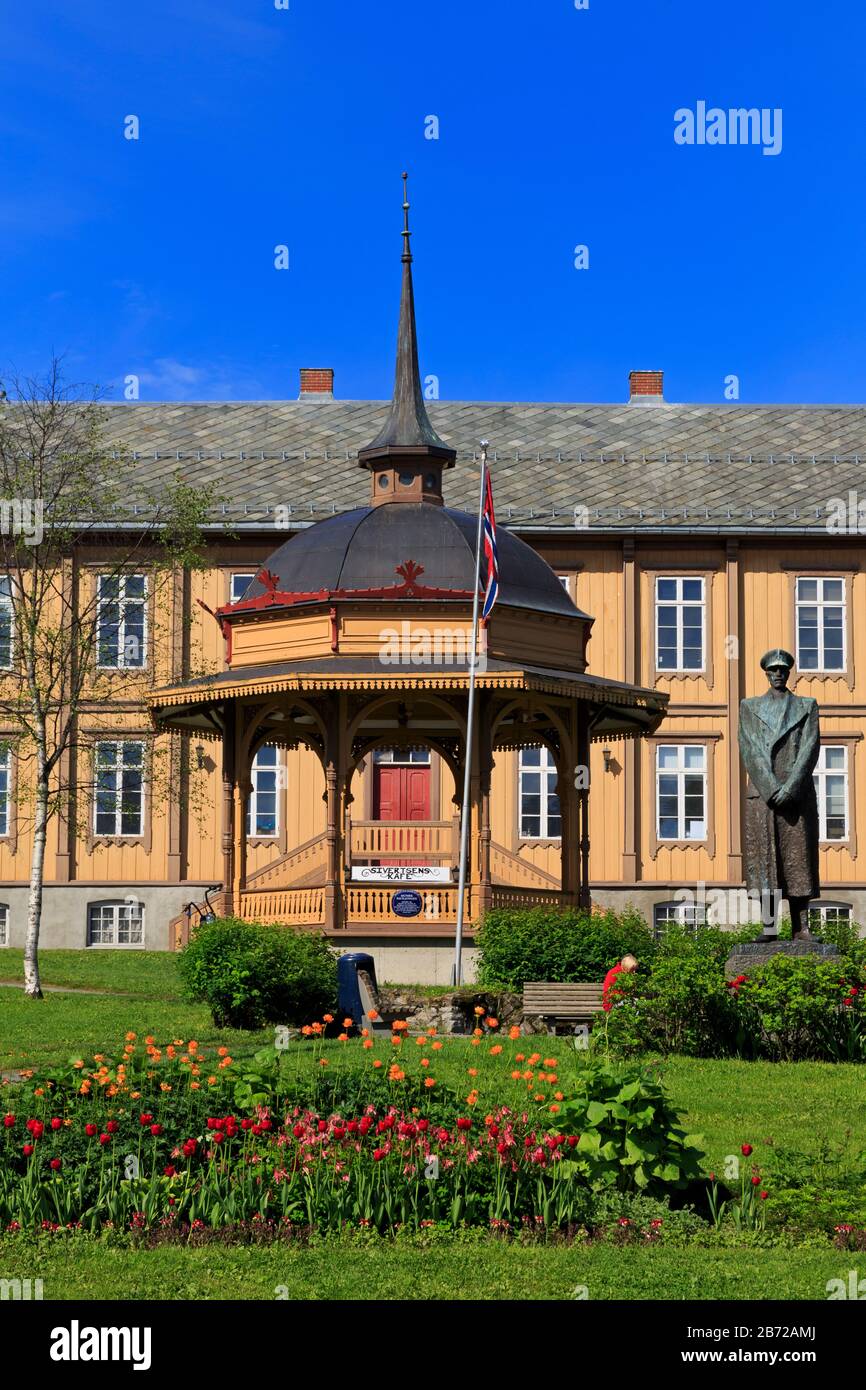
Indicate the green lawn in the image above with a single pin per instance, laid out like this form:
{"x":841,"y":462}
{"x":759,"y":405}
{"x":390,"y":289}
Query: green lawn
{"x":450,"y":1269}
{"x":151,"y":974}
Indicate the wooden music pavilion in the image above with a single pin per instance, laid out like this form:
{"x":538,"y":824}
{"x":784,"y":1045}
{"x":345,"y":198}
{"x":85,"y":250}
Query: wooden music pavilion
{"x":355,"y":636}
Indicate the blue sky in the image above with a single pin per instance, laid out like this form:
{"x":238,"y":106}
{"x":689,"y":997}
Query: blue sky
{"x":261,"y":127}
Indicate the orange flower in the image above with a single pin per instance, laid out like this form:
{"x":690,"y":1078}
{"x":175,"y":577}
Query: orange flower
{"x":394,"y":1073}
{"x":514,"y":1032}
{"x":538,"y":1097}
{"x":78,"y":1065}
{"x":226,"y":1062}
{"x":135,"y":1095}
{"x":177,"y":1042}
{"x":520,"y":1056}
{"x":478,"y":1011}
{"x":195,"y":1085}
{"x":377,"y":1064}
{"x":368,"y":1042}
{"x":472,"y":1098}
{"x":429,"y":1081}
{"x":425,"y":1061}
{"x":150,"y":1038}
{"x":558,"y":1095}
{"x":400,"y":1026}
{"x":99,"y":1056}
{"x":550,"y":1062}
{"x":130,"y":1037}
{"x":317,"y":1028}
{"x":328,"y":1018}
{"x":39,"y":1091}
{"x":515,"y":1076}
{"x":192,"y":1045}
{"x":528,"y":1075}
{"x":163,"y":1086}
{"x":347,"y":1022}
{"x":343,"y":1037}
{"x":222,"y":1051}
{"x":495,"y":1051}
{"x":84,"y":1088}
{"x":476,"y":1042}
{"x":473,"y":1071}
{"x":396,"y":1040}
{"x":552,"y":1078}
{"x":307,"y":1030}
{"x":421,"y":1042}
{"x":169,"y":1051}
{"x":196,"y":1071}
{"x":365,"y":1032}
{"x":554,"y":1109}
{"x":323,"y":1061}
{"x":492,"y":1022}
{"x":212,"y":1081}
{"x":373,"y":1014}
{"x":478,"y":1032}
{"x":437,"y":1047}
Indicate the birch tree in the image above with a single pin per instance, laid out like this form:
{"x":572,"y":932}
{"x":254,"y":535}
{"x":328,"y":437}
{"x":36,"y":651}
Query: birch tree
{"x":66,"y":493}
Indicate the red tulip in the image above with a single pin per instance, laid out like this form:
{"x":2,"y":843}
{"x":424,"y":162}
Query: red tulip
{"x":745,"y":1150}
{"x":27,"y":1150}
{"x":112,"y":1126}
{"x":56,"y":1123}
{"x":104,"y":1139}
{"x":463,"y":1123}
{"x":90,"y":1130}
{"x":156,"y":1131}
{"x":145,"y":1120}
{"x":8,"y":1121}
{"x":298,"y":1131}
{"x":56,"y":1164}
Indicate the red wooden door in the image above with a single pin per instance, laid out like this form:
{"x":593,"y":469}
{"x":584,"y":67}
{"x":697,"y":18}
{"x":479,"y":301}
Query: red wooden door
{"x":402,"y":794}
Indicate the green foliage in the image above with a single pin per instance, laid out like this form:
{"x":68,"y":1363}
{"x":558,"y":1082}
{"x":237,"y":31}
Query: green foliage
{"x":629,"y":1134}
{"x":793,"y":1007}
{"x":683,"y":1006}
{"x":250,"y":975}
{"x":570,"y":947}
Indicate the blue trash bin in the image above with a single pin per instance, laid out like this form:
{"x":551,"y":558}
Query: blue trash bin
{"x":348,"y":990}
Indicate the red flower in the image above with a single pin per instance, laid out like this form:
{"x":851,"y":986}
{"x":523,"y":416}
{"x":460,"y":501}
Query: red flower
{"x":764,"y":1195}
{"x":298,"y":1131}
{"x":104,"y":1139}
{"x":112,"y":1126}
{"x":339,"y":1132}
{"x":90,"y":1130}
{"x":169,"y":1171}
{"x":8,"y":1121}
{"x":145,"y":1120}
{"x":56,"y":1164}
{"x":745,"y":1150}
{"x":423,"y":1126}
{"x":27,"y":1150}
{"x":352,"y":1126}
{"x":156,"y":1131}
{"x":379,"y":1154}
{"x":463,"y":1123}
{"x":218,"y":1137}
{"x":189,"y":1147}
{"x":572,"y":1140}
{"x":56,"y":1123}
{"x":366,"y":1125}
{"x":36,"y":1128}
{"x":265,"y":1124}
{"x":322,"y":1126}
{"x":755,"y":1180}
{"x":502,"y":1147}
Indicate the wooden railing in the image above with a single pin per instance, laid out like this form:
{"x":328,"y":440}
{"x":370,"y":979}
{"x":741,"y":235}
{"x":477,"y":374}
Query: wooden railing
{"x":423,"y":840}
{"x":507,"y":869}
{"x":503,"y":895}
{"x":291,"y":906}
{"x":308,"y":860}
{"x":371,"y":903}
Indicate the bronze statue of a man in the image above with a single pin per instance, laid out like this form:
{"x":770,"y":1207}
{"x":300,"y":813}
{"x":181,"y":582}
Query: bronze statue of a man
{"x":779,"y":746}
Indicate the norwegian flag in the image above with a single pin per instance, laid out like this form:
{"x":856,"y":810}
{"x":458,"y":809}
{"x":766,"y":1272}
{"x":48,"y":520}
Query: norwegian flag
{"x":491,"y":593}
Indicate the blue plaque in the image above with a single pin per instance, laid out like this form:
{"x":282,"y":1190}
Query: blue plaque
{"x":407,"y":903}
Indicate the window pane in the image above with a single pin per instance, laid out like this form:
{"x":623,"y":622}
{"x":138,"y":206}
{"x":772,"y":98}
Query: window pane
{"x":530,"y":757}
{"x":668,"y":756}
{"x":695,"y":755}
{"x":834,"y":756}
{"x":666,"y":589}
{"x":693,"y":589}
{"x":807,"y":590}
{"x":833,"y":589}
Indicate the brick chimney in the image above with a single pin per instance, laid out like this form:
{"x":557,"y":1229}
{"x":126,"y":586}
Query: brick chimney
{"x":317,"y":382}
{"x":646,"y":388}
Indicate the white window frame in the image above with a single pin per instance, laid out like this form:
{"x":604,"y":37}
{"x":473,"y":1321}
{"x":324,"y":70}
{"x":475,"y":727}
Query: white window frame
{"x":118,"y":767}
{"x":123,"y":603}
{"x":240,"y":575}
{"x":822,"y":604}
{"x":679,"y":603}
{"x":116,"y":909}
{"x":253,"y":812}
{"x":681,"y":772}
{"x":8,"y":610}
{"x":818,"y":912}
{"x":5,"y":790}
{"x":548,"y":775}
{"x":820,"y":776}
{"x":402,"y":757}
{"x":679,"y":912}
{"x":4,"y":925}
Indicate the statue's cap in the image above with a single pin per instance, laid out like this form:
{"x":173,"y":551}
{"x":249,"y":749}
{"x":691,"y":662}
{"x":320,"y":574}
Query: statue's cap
{"x":777,"y":657}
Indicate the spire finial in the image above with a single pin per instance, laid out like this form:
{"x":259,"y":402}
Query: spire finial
{"x":407,"y":250}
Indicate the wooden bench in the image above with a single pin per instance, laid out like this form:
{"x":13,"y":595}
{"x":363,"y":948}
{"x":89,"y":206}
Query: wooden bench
{"x":559,"y":1003}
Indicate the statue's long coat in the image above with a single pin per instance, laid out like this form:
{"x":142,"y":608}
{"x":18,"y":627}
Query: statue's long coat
{"x":779,"y":744}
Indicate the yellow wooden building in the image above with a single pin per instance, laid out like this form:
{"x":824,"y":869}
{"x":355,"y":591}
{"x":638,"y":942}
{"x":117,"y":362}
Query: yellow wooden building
{"x":688,"y":539}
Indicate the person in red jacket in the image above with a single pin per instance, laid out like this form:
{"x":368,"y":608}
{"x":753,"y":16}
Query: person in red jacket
{"x":609,"y":993}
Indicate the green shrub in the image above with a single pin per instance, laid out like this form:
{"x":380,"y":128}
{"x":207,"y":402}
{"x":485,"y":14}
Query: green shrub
{"x":794,"y":1007}
{"x":250,"y":975}
{"x":629,"y":1134}
{"x":543,"y":944}
{"x":684,"y":1005}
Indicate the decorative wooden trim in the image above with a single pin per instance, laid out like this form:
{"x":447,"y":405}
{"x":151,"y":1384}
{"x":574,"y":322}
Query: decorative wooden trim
{"x":845,"y":573}
{"x":682,"y":570}
{"x":709,"y":841}
{"x":631,"y":759}
{"x":736,"y":778}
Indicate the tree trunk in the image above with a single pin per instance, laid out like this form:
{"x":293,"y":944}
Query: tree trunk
{"x":32,"y":985}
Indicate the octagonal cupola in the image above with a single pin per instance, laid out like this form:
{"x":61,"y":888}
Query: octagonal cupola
{"x":407,"y":456}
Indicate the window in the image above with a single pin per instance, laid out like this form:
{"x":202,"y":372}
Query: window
{"x":692,"y":915}
{"x":238,"y":586}
{"x":5,"y":775}
{"x":681,"y":791}
{"x":828,"y":914}
{"x":7,"y":623}
{"x":831,"y":785}
{"x":4,"y":924}
{"x":263,"y":808}
{"x":680,"y":623}
{"x":119,"y":789}
{"x":115,"y":924}
{"x":121,"y":621}
{"x":402,"y":757}
{"x":821,"y":624}
{"x":539,"y":804}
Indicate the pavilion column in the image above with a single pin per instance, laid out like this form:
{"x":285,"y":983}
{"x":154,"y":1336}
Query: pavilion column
{"x":584,"y":900}
{"x":570,"y":814}
{"x":485,"y":771}
{"x":240,"y":790}
{"x":227,"y":841}
{"x":335,"y":787}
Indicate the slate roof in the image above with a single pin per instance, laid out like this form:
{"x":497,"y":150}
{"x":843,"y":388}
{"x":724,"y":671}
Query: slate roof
{"x":720,"y":468}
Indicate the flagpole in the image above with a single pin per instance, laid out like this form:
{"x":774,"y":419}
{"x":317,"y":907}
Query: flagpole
{"x":465,"y":810}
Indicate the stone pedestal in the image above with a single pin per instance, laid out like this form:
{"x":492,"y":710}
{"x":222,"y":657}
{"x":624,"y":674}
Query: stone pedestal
{"x":746,"y":958}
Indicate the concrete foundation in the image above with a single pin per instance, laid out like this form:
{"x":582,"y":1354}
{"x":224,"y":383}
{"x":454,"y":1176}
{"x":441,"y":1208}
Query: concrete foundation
{"x":408,"y":961}
{"x":65,"y":911}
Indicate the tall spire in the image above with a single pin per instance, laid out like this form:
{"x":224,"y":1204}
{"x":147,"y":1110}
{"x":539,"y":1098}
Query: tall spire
{"x":407,"y":430}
